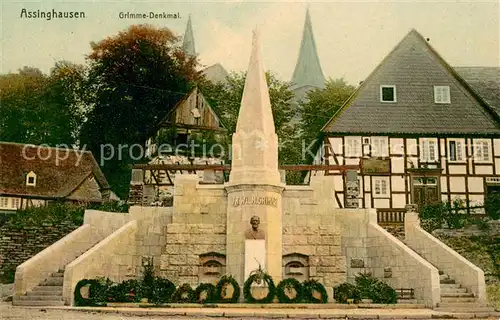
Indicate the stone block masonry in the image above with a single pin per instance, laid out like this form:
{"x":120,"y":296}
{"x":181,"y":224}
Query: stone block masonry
{"x":18,"y":244}
{"x":184,"y":244}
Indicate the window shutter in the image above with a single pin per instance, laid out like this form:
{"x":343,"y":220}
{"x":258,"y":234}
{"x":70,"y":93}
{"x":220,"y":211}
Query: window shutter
{"x":486,"y":152}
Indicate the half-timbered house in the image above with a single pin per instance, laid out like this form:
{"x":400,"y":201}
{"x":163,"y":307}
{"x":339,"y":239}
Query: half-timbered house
{"x":419,"y":131}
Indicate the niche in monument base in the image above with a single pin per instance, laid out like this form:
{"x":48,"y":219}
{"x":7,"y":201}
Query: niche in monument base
{"x":255,"y":256}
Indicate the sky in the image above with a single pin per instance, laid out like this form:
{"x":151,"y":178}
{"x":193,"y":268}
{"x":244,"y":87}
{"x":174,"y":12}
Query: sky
{"x":352,"y":37}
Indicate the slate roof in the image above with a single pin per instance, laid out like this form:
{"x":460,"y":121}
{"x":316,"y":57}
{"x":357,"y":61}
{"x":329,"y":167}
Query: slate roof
{"x":308,"y":68}
{"x":415,"y":68}
{"x":215,"y":73}
{"x":485,"y":81}
{"x":54,"y":180}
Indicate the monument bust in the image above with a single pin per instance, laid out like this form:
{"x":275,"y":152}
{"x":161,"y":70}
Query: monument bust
{"x":254,"y":233}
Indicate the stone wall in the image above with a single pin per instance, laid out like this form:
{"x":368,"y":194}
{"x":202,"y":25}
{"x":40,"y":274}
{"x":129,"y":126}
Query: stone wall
{"x":443,"y":257}
{"x":18,"y":244}
{"x":112,"y":258}
{"x":184,"y":245}
{"x":369,"y":248}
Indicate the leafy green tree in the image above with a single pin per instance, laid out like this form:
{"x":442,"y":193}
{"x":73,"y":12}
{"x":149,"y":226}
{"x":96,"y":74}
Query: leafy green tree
{"x":226,"y":100}
{"x":319,"y":107}
{"x":41,"y":109}
{"x":135,"y":78}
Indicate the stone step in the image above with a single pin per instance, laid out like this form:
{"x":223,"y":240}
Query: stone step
{"x":38,"y":303}
{"x":57,"y":274}
{"x":48,"y":288}
{"x":447,"y":281}
{"x":461,"y":304}
{"x":45,"y":293}
{"x":457,"y":295}
{"x":464,"y":309}
{"x":460,"y":300}
{"x":52,"y":282}
{"x":40,"y":297}
{"x":450,"y":286}
{"x":453,"y":290}
{"x":444,"y":277}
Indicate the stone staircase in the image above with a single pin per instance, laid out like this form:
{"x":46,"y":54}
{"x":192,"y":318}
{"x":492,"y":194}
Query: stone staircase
{"x":454,"y":298}
{"x":48,"y":292}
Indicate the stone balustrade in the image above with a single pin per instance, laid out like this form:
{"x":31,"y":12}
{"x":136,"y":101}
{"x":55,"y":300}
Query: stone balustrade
{"x":443,"y":257}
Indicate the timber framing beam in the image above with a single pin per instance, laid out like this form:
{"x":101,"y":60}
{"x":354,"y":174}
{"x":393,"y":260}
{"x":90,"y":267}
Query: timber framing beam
{"x":226,"y":167}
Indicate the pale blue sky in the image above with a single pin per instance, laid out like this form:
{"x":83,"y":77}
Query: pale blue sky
{"x":352,"y":36}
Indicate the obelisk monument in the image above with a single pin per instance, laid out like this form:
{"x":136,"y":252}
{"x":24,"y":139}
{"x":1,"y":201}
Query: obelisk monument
{"x":254,"y":235}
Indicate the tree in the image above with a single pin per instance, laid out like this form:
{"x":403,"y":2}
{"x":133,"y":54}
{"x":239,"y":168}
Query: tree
{"x":320,"y":106}
{"x":135,"y":78}
{"x":226,"y":100}
{"x":40,"y":109}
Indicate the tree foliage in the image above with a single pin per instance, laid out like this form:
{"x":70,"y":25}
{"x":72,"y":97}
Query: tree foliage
{"x":136,"y":77}
{"x":41,"y":109}
{"x":320,"y":105}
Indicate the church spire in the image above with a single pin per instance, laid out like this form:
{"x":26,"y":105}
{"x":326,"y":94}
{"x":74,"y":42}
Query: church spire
{"x":308,"y":69}
{"x":188,"y":41}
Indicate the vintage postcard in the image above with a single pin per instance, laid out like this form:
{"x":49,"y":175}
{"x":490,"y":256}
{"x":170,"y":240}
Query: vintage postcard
{"x":161,"y":156}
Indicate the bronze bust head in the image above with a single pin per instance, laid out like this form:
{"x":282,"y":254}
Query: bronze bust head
{"x":254,"y":232}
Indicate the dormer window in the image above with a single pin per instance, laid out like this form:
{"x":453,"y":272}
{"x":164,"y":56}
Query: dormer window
{"x":31,"y":179}
{"x":387,"y":93}
{"x":442,"y":94}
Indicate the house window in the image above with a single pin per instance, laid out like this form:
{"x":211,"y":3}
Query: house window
{"x":387,"y":93}
{"x":381,"y":187}
{"x":31,"y":179}
{"x":15,"y":203}
{"x":4,"y":202}
{"x":428,"y":149}
{"x":442,"y":94}
{"x":456,"y":150}
{"x":482,"y":150}
{"x":353,"y":146}
{"x":380,"y":146}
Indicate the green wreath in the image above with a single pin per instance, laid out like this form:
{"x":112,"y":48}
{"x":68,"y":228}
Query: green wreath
{"x":125,"y":291}
{"x":259,"y":277}
{"x":220,"y":287}
{"x":184,"y":294}
{"x":210,"y":291}
{"x":286,"y":284}
{"x":90,"y":301}
{"x":311,"y":286}
{"x":162,"y":291}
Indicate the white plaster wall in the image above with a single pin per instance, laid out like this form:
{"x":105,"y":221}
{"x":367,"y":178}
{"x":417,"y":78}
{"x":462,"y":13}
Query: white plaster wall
{"x":396,"y":146}
{"x":411,"y":147}
{"x":496,"y":143}
{"x":444,"y":186}
{"x":397,"y":183}
{"x":397,"y":165}
{"x":398,"y":200}
{"x":349,"y":161}
{"x":497,"y":166}
{"x":458,"y":168}
{"x":483,"y":169}
{"x":336,"y":144}
{"x":381,"y":203}
{"x":338,"y":181}
{"x":457,"y":184}
{"x":476,"y":184}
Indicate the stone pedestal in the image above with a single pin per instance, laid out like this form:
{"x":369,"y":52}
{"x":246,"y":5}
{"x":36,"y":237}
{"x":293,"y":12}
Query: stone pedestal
{"x":244,"y":202}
